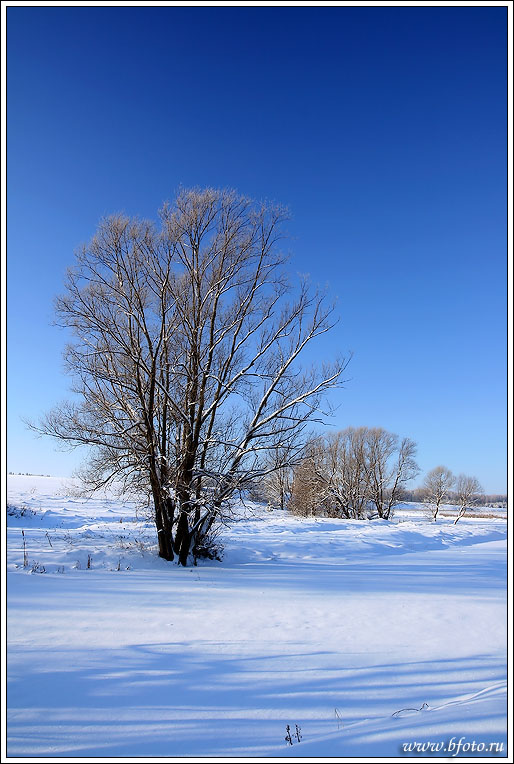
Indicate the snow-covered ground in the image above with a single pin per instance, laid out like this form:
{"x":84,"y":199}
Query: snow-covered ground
{"x":368,"y":635}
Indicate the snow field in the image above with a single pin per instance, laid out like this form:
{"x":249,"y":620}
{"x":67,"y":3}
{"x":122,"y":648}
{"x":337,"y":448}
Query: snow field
{"x":333,"y":626}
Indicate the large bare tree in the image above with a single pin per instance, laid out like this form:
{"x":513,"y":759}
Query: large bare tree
{"x":185,"y":357}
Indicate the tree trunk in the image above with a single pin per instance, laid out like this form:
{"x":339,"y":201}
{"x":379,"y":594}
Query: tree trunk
{"x":163,"y":534}
{"x":182,"y":538}
{"x":163,"y":522}
{"x":185,"y":546}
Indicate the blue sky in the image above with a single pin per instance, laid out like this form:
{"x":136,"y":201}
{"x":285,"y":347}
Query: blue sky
{"x":382,"y":129}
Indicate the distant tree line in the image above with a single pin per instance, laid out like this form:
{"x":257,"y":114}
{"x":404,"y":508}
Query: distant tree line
{"x":356,"y":473}
{"x":493,"y":500}
{"x":362,"y":473}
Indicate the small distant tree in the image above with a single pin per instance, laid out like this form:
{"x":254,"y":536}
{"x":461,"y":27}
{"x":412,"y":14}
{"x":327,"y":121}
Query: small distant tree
{"x":276,"y":484}
{"x":343,"y":470}
{"x":468,"y":490}
{"x":331,"y":478}
{"x":308,"y":491}
{"x":352,"y":471}
{"x":436,"y":488}
{"x":282,"y":479}
{"x":390,"y":465}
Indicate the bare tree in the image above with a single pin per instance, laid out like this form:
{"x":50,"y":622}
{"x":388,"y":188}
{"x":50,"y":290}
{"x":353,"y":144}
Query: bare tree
{"x":468,"y":490}
{"x":436,"y":487}
{"x":341,"y":469}
{"x":276,"y":484}
{"x":346,"y":473}
{"x":185,"y":357}
{"x":307,"y":490}
{"x":390,"y":465}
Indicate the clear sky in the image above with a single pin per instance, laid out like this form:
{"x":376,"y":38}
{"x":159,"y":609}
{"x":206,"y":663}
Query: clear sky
{"x":383,"y":130}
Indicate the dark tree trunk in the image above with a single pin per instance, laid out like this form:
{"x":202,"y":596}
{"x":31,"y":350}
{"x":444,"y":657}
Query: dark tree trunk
{"x":185,"y":546}
{"x":163,"y":535}
{"x":170,"y":511}
{"x":163,"y":522}
{"x":182,"y":538}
